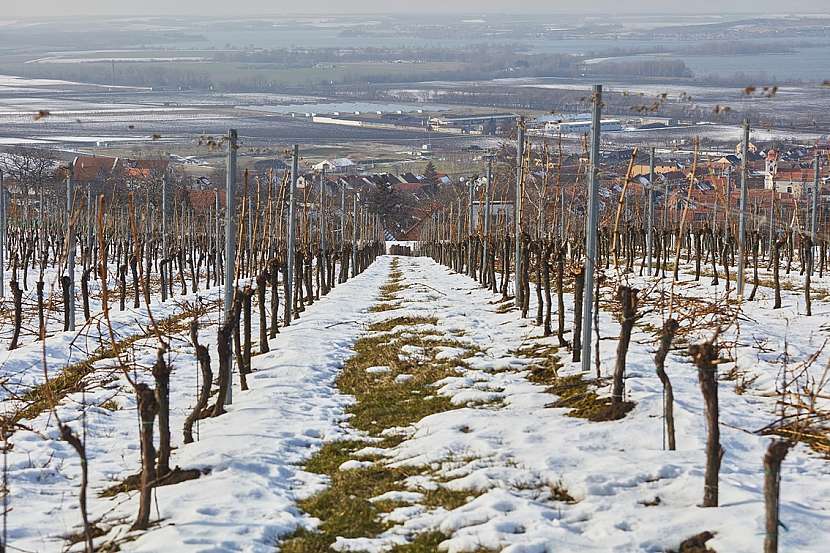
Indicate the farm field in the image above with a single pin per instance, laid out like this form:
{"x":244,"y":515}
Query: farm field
{"x":414,"y":282}
{"x":226,"y":75}
{"x":439,"y":415}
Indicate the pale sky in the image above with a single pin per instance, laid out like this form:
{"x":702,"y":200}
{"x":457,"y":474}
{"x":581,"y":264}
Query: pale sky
{"x":10,"y":9}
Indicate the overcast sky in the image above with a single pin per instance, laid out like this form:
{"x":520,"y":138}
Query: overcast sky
{"x":30,"y":8}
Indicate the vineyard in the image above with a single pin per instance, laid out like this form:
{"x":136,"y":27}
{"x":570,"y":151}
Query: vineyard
{"x":580,"y":373}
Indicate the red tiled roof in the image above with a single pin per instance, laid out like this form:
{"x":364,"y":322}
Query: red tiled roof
{"x":202,"y":200}
{"x":89,"y":168}
{"x":795,"y":175}
{"x":409,"y":186}
{"x":144,"y":168}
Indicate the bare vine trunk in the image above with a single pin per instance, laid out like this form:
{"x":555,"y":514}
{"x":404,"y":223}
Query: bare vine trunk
{"x":69,"y":437}
{"x":669,"y":330}
{"x":628,"y":300}
{"x":203,"y":358}
{"x":776,"y":452}
{"x":261,"y":284}
{"x":147,"y":410}
{"x":705,"y":357}
{"x":17,"y":296}
{"x":161,"y":374}
{"x":579,"y":289}
{"x":224,"y":351}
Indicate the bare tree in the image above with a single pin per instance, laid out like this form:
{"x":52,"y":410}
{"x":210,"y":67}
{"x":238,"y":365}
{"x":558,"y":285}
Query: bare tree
{"x":28,"y":167}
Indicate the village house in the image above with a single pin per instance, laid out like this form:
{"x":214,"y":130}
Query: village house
{"x":97,"y":171}
{"x":797,"y":178}
{"x":341,"y":165}
{"x":202,"y":201}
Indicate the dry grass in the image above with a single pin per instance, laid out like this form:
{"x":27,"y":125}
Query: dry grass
{"x":390,"y":324}
{"x":742,"y":379}
{"x":576,"y":394}
{"x":381,"y":402}
{"x":545,"y":364}
{"x":389,"y":291}
{"x":381,"y":307}
{"x":71,"y":378}
{"x":558,"y":492}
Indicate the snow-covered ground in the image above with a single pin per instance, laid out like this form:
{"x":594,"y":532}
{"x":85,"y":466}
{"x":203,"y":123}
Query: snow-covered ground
{"x":504,"y":443}
{"x":252,"y":452}
{"x":517,"y":452}
{"x":22,"y":84}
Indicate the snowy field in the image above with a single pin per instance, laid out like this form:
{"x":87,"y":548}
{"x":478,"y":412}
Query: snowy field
{"x":529,"y":477}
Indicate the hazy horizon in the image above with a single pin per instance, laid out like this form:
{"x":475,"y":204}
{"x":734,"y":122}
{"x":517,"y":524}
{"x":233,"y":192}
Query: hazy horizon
{"x":242,"y":8}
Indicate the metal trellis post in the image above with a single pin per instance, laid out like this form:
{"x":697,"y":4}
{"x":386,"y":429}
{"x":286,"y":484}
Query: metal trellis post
{"x":814,"y":208}
{"x":487,"y":207}
{"x":292,"y":232}
{"x":165,"y":229}
{"x":230,"y":245}
{"x":742,"y":207}
{"x":591,"y":230}
{"x":70,"y":261}
{"x":517,"y":209}
{"x":650,"y":211}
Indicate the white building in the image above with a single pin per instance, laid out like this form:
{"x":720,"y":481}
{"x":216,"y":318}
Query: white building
{"x":340,"y":165}
{"x":557,"y":118}
{"x":582,"y":127}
